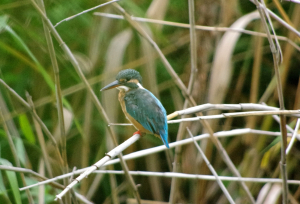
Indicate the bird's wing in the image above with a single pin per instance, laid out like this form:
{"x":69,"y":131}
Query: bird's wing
{"x":146,"y":109}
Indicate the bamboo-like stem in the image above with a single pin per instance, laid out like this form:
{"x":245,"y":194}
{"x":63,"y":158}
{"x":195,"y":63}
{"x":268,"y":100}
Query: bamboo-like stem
{"x":169,"y":175}
{"x":277,"y":59}
{"x":282,"y":12}
{"x":89,"y":89}
{"x":211,"y":168}
{"x":39,"y":176}
{"x":113,"y":153}
{"x":277,"y":18}
{"x":40,"y":138}
{"x":38,"y":119}
{"x":209,"y":106}
{"x":295,"y":133}
{"x":276,"y":117}
{"x":199,"y":27}
{"x":282,"y":22}
{"x":85,"y":11}
{"x":288,"y":149}
{"x":199,"y":176}
{"x":185,"y":93}
{"x":59,"y":103}
{"x":85,"y":148}
{"x":29,"y":171}
{"x":145,"y":152}
{"x":168,"y":66}
{"x":241,"y":114}
{"x":15,"y":156}
{"x":96,"y":79}
{"x":180,"y":134}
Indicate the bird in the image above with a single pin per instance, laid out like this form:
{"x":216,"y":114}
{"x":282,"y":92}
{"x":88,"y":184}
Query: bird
{"x":143,"y":110}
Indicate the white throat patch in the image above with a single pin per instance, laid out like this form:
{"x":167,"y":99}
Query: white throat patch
{"x":123,"y":88}
{"x":140,"y":86}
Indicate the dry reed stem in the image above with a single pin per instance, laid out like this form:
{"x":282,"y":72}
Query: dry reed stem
{"x":113,"y":153}
{"x":199,"y":27}
{"x":89,"y":89}
{"x":85,"y":11}
{"x":193,"y":53}
{"x":211,"y":168}
{"x":15,"y":155}
{"x":288,"y":149}
{"x":40,"y":137}
{"x":241,"y":114}
{"x":30,"y":171}
{"x":186,"y":94}
{"x":277,"y":59}
{"x":58,"y":95}
{"x":145,"y":152}
{"x":34,"y":114}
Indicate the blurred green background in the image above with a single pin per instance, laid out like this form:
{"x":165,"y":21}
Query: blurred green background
{"x":103,"y":46}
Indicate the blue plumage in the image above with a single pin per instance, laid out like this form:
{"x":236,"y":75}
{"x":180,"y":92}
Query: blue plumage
{"x":139,"y":105}
{"x":145,"y":108}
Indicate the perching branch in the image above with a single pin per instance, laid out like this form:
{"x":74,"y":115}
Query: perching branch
{"x":145,"y":152}
{"x":97,"y":103}
{"x":113,"y":153}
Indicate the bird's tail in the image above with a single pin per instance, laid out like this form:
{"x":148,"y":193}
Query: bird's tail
{"x":165,"y":140}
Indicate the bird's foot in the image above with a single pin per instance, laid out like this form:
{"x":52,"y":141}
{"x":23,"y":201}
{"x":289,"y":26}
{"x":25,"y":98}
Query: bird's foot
{"x":138,"y":132}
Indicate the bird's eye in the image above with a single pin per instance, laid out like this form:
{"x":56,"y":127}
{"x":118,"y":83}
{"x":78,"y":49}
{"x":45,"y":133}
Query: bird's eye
{"x":123,"y":80}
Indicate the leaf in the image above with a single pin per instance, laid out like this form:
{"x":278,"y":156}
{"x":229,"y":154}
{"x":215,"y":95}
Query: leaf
{"x":265,"y":160}
{"x":2,"y":186}
{"x":4,"y":198}
{"x":158,"y":10}
{"x":221,"y":68}
{"x":3,"y":22}
{"x":40,"y":68}
{"x":20,"y":149}
{"x":114,"y":59}
{"x":26,"y":128}
{"x":13,"y":182}
{"x":269,"y":193}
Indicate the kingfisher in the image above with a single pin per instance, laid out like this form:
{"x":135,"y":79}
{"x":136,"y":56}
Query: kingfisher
{"x":144,"y":111}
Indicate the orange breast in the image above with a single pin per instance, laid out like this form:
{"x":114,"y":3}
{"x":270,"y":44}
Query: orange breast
{"x":135,"y":123}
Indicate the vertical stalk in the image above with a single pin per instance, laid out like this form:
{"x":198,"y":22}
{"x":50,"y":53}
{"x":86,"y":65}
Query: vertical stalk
{"x":276,"y":53}
{"x":97,"y":103}
{"x":188,"y":96}
{"x":63,"y":140}
{"x":193,"y":51}
{"x":15,"y":155}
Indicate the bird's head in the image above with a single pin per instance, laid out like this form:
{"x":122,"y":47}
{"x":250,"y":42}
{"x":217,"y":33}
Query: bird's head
{"x":126,"y":79}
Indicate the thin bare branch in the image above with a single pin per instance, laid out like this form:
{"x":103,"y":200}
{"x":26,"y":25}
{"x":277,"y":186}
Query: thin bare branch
{"x":15,"y":156}
{"x":89,"y":89}
{"x":181,"y":131}
{"x":38,"y":119}
{"x":145,"y":152}
{"x":113,"y":153}
{"x":241,"y":114}
{"x":288,"y":149}
{"x":85,"y":11}
{"x":58,"y":94}
{"x":199,"y":27}
{"x":277,"y":59}
{"x":211,"y":168}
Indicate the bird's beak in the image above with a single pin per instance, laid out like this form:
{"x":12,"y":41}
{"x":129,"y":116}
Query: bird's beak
{"x":111,"y":85}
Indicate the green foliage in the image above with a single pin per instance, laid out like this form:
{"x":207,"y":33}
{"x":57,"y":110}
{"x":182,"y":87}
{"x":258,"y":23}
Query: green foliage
{"x":26,"y":128}
{"x":26,"y":66}
{"x":13,"y":183}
